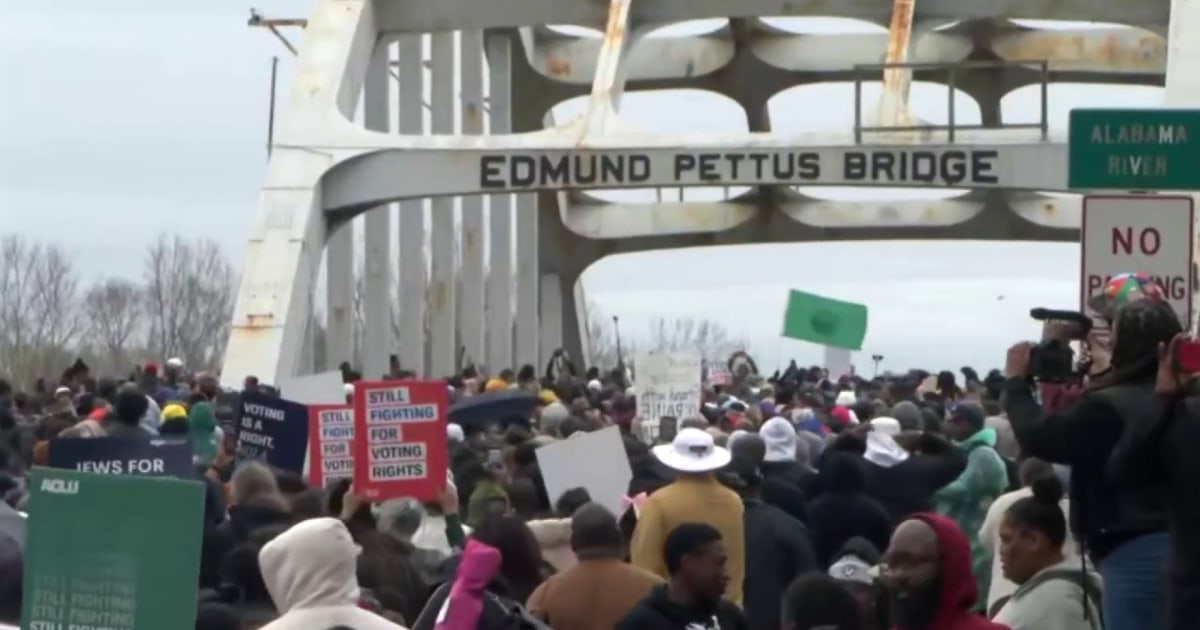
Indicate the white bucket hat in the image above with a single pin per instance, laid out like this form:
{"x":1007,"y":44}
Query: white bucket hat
{"x":692,"y":451}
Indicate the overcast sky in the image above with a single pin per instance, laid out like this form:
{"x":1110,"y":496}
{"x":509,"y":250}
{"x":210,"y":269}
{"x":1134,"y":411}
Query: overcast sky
{"x":126,"y":118}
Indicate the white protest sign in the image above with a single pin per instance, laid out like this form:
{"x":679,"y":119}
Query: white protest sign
{"x":1151,"y":234}
{"x":667,"y":385}
{"x":323,"y":388}
{"x":593,"y":461}
{"x":837,"y":361}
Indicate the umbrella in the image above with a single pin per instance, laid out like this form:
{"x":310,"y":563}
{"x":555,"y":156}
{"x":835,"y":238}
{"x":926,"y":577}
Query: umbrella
{"x":504,"y":406}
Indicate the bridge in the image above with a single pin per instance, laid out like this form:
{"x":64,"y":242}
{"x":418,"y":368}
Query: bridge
{"x":501,"y":284}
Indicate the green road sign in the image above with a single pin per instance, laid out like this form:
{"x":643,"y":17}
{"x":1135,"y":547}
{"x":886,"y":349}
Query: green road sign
{"x":1134,"y":149}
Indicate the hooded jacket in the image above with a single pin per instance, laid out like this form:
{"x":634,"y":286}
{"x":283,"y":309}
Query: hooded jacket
{"x":475,"y":599}
{"x":967,"y":498}
{"x":656,"y":611}
{"x":959,"y":590}
{"x":554,"y":537}
{"x":904,"y":482}
{"x":778,"y":549}
{"x":1055,"y":598}
{"x":844,"y":511}
{"x":309,"y":570}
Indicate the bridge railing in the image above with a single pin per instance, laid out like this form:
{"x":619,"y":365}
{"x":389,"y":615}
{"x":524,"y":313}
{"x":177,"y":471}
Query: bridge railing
{"x":953,"y":70}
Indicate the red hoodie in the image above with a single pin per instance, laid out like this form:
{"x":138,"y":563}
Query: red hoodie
{"x":959,"y":590}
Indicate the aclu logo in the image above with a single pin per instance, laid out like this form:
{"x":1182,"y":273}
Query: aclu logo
{"x":60,"y":486}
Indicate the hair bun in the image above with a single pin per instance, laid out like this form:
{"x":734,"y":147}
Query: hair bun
{"x":1047,"y":489}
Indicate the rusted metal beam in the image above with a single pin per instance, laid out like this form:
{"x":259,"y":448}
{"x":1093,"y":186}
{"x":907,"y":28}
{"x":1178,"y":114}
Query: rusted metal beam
{"x":608,"y":84}
{"x":1126,"y":50}
{"x":274,"y":24}
{"x":893,"y":100}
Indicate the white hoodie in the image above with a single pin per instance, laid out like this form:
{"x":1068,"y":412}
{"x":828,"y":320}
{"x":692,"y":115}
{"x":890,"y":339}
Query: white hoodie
{"x":309,"y":570}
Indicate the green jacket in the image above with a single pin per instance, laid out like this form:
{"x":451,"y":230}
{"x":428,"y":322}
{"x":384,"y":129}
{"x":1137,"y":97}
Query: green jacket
{"x":966,"y":499}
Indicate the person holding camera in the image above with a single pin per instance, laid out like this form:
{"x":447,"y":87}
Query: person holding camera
{"x":1119,"y":520}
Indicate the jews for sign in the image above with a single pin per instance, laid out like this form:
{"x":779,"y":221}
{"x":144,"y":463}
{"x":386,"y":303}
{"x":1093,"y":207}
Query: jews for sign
{"x":400,"y":439}
{"x":1142,"y":233}
{"x":147,"y":457}
{"x":667,"y":385}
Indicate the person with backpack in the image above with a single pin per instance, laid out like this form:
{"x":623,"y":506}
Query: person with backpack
{"x":1054,"y":590}
{"x":966,"y":499}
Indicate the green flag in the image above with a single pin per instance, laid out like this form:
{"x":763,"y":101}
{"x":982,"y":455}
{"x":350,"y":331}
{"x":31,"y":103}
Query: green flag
{"x":826,"y":321}
{"x":111,"y":551}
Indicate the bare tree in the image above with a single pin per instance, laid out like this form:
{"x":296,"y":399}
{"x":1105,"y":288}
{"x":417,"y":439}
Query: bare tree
{"x":39,"y":316}
{"x":189,"y":300}
{"x":708,"y":338}
{"x":114,"y":316}
{"x":602,"y":339}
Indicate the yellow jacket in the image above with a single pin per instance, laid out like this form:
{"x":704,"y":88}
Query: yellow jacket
{"x":691,"y":499}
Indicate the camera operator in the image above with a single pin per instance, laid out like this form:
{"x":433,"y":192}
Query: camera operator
{"x":1119,"y":521}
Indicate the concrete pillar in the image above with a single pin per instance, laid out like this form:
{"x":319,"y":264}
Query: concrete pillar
{"x":528,"y":279}
{"x":414,"y":279}
{"x":339,"y":295}
{"x":473,"y":232}
{"x":377,"y":258}
{"x":1183,"y":75}
{"x":444,"y":272}
{"x":500,"y":216}
{"x":550,"y":328}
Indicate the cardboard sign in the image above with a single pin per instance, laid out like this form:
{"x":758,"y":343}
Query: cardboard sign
{"x":1152,"y":234}
{"x":272,"y":430}
{"x":667,"y":385}
{"x":594,"y":461}
{"x":153,"y":457}
{"x":400,"y":439}
{"x":111,"y":551}
{"x":330,"y":444}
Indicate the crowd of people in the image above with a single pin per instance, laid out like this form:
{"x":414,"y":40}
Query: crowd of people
{"x":796,"y":501}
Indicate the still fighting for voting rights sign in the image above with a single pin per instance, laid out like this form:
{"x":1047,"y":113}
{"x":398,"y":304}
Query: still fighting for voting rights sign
{"x":149,"y":456}
{"x":272,"y":430}
{"x":111,"y":551}
{"x":331,"y":444}
{"x":400,"y":445}
{"x":1152,"y":234}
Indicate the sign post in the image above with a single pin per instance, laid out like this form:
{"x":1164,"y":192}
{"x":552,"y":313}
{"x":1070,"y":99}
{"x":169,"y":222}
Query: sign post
{"x":1133,"y":149}
{"x":1152,"y":234}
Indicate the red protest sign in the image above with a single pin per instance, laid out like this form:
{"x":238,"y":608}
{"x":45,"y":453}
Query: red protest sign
{"x":400,"y":439}
{"x":330,"y":444}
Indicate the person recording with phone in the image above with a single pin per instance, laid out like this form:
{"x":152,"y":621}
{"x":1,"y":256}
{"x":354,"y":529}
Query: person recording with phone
{"x":1164,"y":455}
{"x":1119,"y":521}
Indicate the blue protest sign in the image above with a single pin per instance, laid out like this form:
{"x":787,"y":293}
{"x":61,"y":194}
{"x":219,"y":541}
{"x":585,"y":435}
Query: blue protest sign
{"x":272,"y":430}
{"x":147,"y":457}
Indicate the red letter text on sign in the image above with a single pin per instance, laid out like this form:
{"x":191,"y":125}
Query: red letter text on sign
{"x":1149,"y":241}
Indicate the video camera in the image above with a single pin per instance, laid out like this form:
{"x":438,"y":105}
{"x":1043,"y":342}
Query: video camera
{"x":1052,"y":360}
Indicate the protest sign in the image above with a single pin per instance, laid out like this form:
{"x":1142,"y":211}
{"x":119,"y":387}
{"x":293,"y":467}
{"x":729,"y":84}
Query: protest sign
{"x":330,"y":444}
{"x":594,"y":461}
{"x":111,"y":551}
{"x":149,"y":456}
{"x":323,"y":388}
{"x":400,"y":439}
{"x":272,"y":430}
{"x":667,"y":385}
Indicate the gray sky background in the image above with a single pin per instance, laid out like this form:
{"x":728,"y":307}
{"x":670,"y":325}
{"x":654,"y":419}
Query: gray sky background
{"x":123,"y":119}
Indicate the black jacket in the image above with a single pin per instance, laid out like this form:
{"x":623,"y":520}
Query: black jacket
{"x":657,"y":612}
{"x":777,"y":550}
{"x":1108,"y":506}
{"x":908,"y":486}
{"x":1164,"y":455}
{"x":844,"y":511}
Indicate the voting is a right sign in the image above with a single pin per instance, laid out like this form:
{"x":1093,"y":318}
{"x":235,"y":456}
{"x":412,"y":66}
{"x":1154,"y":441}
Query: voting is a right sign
{"x":400,"y":439}
{"x":1151,"y":234}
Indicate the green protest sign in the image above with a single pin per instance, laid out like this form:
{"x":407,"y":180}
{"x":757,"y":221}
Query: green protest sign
{"x":111,"y":551}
